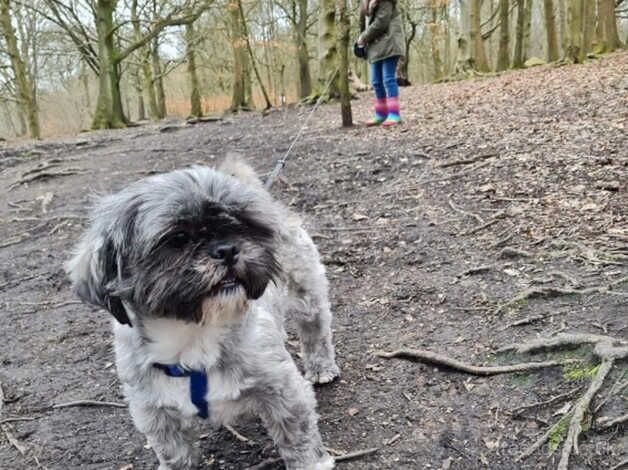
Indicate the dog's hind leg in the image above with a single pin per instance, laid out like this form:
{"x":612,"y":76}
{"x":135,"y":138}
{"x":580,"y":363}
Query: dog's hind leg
{"x":308,"y":304}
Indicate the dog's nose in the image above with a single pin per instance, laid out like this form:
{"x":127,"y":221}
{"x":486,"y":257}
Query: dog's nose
{"x":226,"y":252}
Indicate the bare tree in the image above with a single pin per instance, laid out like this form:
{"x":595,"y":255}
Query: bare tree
{"x":550,"y":30}
{"x":26,"y":92}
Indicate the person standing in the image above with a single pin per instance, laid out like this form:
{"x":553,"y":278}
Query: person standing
{"x":381,"y":33}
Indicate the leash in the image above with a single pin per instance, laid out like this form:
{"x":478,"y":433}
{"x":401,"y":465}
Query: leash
{"x":281,"y":163}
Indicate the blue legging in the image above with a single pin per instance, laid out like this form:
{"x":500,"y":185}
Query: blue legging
{"x":384,"y":77}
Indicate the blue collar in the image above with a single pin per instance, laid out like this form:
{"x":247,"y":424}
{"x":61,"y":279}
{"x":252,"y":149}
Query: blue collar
{"x":198,"y":385}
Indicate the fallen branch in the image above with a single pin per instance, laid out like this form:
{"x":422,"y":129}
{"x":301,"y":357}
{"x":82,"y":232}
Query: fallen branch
{"x":88,"y":403}
{"x":465,"y":161}
{"x":356,"y":455}
{"x":239,"y":436}
{"x":14,"y":441}
{"x":564,"y":339}
{"x":45,"y":174}
{"x":557,"y":399}
{"x":444,"y":361}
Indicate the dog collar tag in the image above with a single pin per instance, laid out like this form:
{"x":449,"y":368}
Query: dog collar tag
{"x":198,"y":385}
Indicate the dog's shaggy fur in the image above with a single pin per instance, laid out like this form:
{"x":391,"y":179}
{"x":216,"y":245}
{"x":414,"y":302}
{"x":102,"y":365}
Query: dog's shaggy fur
{"x":200,"y":267}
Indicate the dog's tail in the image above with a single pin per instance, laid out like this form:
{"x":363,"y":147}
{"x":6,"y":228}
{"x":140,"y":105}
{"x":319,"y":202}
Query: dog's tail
{"x":235,"y":165}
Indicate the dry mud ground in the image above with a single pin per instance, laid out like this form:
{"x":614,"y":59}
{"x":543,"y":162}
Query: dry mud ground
{"x":522,"y":175}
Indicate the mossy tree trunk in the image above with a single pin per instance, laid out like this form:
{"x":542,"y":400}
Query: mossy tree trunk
{"x":550,"y":30}
{"x":328,"y":50}
{"x":343,"y":72}
{"x":158,"y":73}
{"x":240,"y":99}
{"x":435,"y":40}
{"x":303,"y":55}
{"x":518,"y":55}
{"x":589,"y":17}
{"x":109,"y":113}
{"x":196,"y":109}
{"x":574,"y":51}
{"x":148,"y":90}
{"x":478,"y":53}
{"x":503,"y":54}
{"x":608,"y":37}
{"x":527,"y":28}
{"x":27,"y":101}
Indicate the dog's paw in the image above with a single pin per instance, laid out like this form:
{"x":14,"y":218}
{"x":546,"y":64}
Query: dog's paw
{"x":322,"y":373}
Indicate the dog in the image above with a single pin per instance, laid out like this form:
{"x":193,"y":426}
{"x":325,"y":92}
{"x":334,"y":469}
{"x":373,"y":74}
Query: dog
{"x":200,"y":267}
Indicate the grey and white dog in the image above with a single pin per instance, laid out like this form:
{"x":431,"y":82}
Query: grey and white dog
{"x":200,"y":267}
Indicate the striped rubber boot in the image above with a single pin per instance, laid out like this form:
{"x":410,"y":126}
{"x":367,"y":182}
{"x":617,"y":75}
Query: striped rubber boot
{"x":393,"y":117}
{"x":381,"y":111}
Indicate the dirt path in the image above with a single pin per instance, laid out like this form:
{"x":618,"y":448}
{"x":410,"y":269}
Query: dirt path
{"x":523,"y":176}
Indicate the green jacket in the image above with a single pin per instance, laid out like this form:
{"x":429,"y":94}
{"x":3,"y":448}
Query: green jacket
{"x":382,"y":30}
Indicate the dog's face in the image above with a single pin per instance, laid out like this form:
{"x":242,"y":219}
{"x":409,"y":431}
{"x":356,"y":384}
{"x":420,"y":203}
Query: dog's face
{"x":176,"y":244}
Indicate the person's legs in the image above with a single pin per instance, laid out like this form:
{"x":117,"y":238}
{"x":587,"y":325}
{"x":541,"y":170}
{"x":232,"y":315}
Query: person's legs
{"x":377,"y":80}
{"x":389,"y":78}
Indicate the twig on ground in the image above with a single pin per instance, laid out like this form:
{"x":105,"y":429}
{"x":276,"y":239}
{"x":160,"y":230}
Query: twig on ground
{"x":356,"y":454}
{"x":494,"y":220}
{"x":456,"y":175}
{"x":476,"y":270}
{"x":462,"y":211}
{"x":526,"y":321}
{"x":239,"y":436}
{"x":16,"y":419}
{"x":557,"y":399}
{"x":509,"y":252}
{"x":465,"y":161}
{"x":14,"y":441}
{"x":441,"y":360}
{"x":15,"y":241}
{"x":564,"y":339}
{"x":45,"y":174}
{"x":88,"y":403}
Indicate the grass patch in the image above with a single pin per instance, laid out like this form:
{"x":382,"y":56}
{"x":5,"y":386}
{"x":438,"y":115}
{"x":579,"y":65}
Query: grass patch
{"x":574,"y":372}
{"x":558,"y":433}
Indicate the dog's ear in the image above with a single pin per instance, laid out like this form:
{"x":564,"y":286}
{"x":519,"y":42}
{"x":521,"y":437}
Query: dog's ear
{"x":94,"y":272}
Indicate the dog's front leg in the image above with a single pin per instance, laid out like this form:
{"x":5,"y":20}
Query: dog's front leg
{"x":288,"y":411}
{"x":168,"y":433}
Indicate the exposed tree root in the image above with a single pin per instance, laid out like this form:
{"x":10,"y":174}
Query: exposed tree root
{"x":606,"y":348}
{"x":550,"y":291}
{"x":440,"y":360}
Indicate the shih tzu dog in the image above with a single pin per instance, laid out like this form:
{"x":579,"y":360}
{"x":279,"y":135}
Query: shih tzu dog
{"x":199,"y":267}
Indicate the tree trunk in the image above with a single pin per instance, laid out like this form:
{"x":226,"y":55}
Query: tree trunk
{"x":343,"y":75}
{"x":23,"y":82}
{"x":608,"y":39}
{"x":518,"y":60}
{"x":162,"y":109}
{"x":550,"y":31}
{"x":141,"y":109}
{"x":240,"y":99}
{"x":143,"y":54}
{"x":109,"y":113}
{"x":480,"y":62}
{"x":503,"y":55}
{"x":245,"y":33}
{"x":527,"y":28}
{"x":574,"y":52}
{"x":562,"y":11}
{"x":328,"y":49}
{"x":588,"y":25}
{"x":196,"y":109}
{"x":303,"y":56}
{"x":434,"y":28}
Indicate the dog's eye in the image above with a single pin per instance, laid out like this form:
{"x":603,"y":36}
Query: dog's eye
{"x":178,"y":240}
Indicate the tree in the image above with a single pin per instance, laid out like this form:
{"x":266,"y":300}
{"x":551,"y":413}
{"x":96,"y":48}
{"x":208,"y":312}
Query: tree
{"x":574,"y":51}
{"x":478,"y":54}
{"x":241,"y":92}
{"x":328,"y":49}
{"x":519,"y":54}
{"x":343,"y":71}
{"x":550,"y":30}
{"x":143,"y":55}
{"x":608,"y":37}
{"x":26,"y":92}
{"x":196,"y":109}
{"x":503,"y":54}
